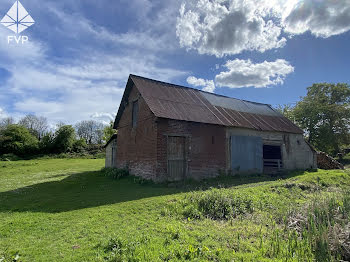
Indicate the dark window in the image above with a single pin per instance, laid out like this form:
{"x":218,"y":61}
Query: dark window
{"x":213,"y":140}
{"x":135,"y":111}
{"x":272,"y":152}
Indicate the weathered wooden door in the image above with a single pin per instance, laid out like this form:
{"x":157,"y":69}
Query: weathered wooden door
{"x":176,"y":158}
{"x":114,"y":156}
{"x":247,"y":154}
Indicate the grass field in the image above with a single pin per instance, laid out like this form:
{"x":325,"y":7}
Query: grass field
{"x":66,"y":210}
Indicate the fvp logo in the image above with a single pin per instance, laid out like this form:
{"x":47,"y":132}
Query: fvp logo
{"x":17,"y":20}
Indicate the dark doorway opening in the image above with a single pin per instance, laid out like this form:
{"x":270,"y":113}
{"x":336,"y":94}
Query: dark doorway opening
{"x":272,"y":152}
{"x":272,"y":158}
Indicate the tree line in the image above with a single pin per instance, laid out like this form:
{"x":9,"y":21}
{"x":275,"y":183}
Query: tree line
{"x":324,"y":115}
{"x":31,"y":135}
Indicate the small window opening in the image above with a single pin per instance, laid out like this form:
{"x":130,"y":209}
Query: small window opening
{"x":272,"y":157}
{"x":272,"y":152}
{"x":135,"y":109}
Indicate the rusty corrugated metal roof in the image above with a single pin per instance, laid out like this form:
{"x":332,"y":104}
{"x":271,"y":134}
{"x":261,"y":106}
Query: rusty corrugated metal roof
{"x":182,"y":103}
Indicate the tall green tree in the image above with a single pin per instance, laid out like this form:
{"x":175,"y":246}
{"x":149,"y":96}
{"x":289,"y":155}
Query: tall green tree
{"x":287,"y":111}
{"x":324,"y":114}
{"x":108,"y":132}
{"x":64,"y":139}
{"x":18,"y":140}
{"x":46,"y":144}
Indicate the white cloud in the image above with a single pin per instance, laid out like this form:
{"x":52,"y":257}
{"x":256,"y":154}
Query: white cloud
{"x":90,"y":83}
{"x":83,"y":91}
{"x":3,"y":114}
{"x":26,"y":53}
{"x":322,"y":18}
{"x":104,"y":117}
{"x":79,"y":104}
{"x":14,"y":116}
{"x":117,"y":67}
{"x":208,"y":85}
{"x":45,"y":108}
{"x":131,"y":39}
{"x":219,"y":27}
{"x":226,"y":27}
{"x":244,"y":73}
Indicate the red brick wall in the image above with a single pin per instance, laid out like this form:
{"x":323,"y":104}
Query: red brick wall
{"x":143,"y":150}
{"x":136,"y":148}
{"x":205,"y":156}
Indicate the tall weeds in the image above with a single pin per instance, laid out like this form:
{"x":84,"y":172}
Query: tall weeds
{"x":325,"y":225}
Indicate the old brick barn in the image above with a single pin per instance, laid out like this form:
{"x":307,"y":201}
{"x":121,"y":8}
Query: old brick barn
{"x":171,"y":132}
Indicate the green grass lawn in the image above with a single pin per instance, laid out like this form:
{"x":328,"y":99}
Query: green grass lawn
{"x":66,"y":210}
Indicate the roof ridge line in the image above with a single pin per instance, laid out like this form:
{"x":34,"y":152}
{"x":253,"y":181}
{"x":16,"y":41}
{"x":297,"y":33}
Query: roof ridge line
{"x":181,"y":86}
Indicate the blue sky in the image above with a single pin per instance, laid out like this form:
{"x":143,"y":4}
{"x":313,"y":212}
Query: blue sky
{"x":80,"y":53}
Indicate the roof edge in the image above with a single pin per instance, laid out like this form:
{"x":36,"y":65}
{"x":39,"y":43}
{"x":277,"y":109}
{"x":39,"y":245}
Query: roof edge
{"x":195,"y":89}
{"x":134,"y":79}
{"x":114,"y":136}
{"x":122,"y":102}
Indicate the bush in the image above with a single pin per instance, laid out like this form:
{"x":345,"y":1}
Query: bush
{"x":17,"y":140}
{"x":64,"y":139}
{"x":79,"y":146}
{"x":46,"y":144}
{"x":9,"y":157}
{"x":114,"y":173}
{"x":216,"y":204}
{"x":94,"y":149}
{"x":100,"y":155}
{"x":191,"y":211}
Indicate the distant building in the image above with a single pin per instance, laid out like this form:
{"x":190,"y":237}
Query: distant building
{"x":170,"y":132}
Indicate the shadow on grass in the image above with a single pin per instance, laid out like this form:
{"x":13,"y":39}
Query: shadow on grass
{"x":91,"y":189}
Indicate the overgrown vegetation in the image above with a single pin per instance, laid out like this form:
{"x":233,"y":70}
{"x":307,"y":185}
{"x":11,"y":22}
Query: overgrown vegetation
{"x":30,"y":137}
{"x":17,"y":140}
{"x":114,"y":173}
{"x":317,"y":228}
{"x":90,"y":152}
{"x":325,"y":225}
{"x":216,"y":204}
{"x":345,"y":160}
{"x":324,"y":114}
{"x":320,"y":229}
{"x":70,"y":210}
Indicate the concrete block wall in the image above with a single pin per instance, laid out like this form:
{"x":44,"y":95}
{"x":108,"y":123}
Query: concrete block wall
{"x":299,"y":155}
{"x":296,"y":153}
{"x":109,"y":162}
